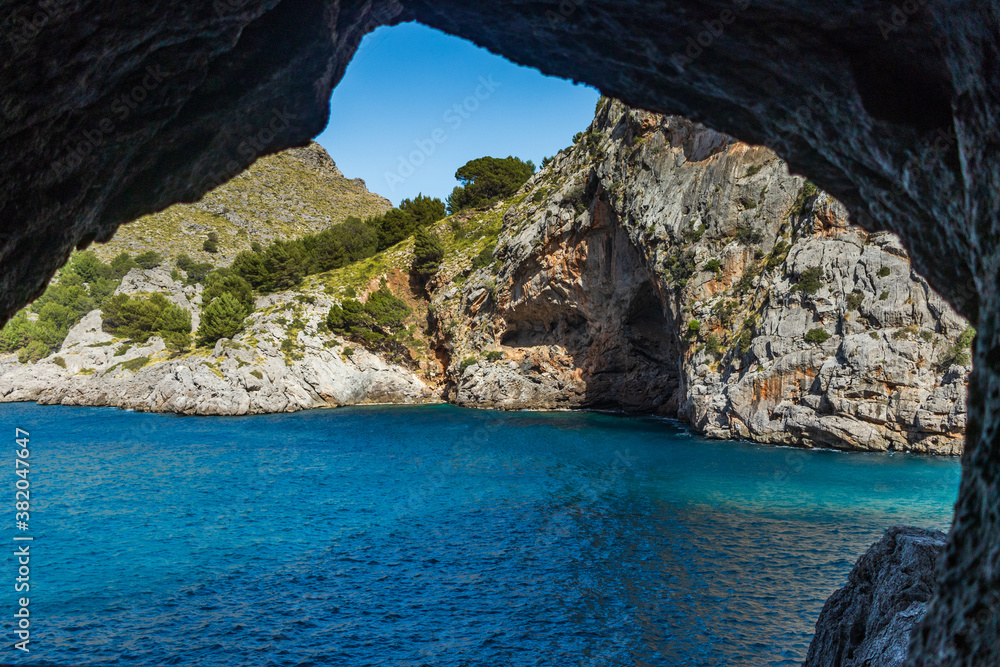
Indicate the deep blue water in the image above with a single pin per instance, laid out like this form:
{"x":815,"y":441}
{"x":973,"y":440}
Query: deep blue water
{"x":437,"y":536}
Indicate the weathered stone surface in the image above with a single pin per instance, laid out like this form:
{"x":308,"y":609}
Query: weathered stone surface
{"x":257,"y":372}
{"x":891,"y":109}
{"x":602,"y":272}
{"x":869,"y":622}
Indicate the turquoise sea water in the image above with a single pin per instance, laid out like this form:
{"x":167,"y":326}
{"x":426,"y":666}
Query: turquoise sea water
{"x":436,"y":536}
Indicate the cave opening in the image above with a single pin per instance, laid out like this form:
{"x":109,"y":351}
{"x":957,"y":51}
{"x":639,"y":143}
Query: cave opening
{"x":754,"y":77}
{"x":415,"y":104}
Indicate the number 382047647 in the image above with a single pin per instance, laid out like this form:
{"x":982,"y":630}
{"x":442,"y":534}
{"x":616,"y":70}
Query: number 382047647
{"x":22,"y":496}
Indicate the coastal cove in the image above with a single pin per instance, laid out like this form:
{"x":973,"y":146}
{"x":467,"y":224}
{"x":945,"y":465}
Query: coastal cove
{"x":441,"y":535}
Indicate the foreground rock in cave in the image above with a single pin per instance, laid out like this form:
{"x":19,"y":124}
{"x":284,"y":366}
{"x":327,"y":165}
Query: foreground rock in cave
{"x":113,"y":112}
{"x":870,"y":620}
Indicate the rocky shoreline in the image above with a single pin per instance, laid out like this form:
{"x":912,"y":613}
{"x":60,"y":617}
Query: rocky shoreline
{"x":237,"y":377}
{"x":870,"y":621}
{"x":654,"y":267}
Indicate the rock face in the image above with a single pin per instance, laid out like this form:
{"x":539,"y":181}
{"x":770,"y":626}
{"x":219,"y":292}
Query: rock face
{"x":869,"y":622}
{"x":658,"y":266}
{"x":270,"y":368}
{"x":115,"y":111}
{"x":290,"y":194}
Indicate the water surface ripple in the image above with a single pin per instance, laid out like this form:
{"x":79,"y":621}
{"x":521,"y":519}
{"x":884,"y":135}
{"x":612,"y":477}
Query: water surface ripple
{"x":439,"y":536}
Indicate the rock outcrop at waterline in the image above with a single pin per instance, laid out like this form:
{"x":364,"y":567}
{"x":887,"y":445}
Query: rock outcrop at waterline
{"x":891,"y":108}
{"x":655,"y":266}
{"x":869,"y":622}
{"x":264,"y":370}
{"x":658,"y":266}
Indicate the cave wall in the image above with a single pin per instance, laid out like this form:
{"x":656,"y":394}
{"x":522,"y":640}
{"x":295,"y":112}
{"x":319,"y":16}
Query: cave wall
{"x":575,"y":317}
{"x":892,"y":108}
{"x":111,"y":110}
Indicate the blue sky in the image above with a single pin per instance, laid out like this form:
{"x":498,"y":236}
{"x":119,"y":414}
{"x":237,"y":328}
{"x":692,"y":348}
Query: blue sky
{"x":416,"y":104}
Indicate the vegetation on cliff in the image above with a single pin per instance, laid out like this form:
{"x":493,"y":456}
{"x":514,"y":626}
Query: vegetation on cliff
{"x":487,"y":180}
{"x":222,"y":318}
{"x":84,"y":284}
{"x":428,"y":251}
{"x":375,"y":322}
{"x":138,"y":318}
{"x":400,"y":223}
{"x":282,"y":196}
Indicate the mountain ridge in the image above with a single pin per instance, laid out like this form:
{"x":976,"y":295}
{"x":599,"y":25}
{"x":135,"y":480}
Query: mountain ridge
{"x":655,"y":266}
{"x":287,"y":195}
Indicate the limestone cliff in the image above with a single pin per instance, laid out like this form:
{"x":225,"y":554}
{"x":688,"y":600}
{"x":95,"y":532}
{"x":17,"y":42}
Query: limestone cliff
{"x":654,"y":267}
{"x":282,"y":362}
{"x":657,"y":266}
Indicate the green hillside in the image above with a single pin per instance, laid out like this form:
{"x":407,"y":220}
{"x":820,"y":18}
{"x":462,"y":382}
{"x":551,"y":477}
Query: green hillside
{"x":283,"y":196}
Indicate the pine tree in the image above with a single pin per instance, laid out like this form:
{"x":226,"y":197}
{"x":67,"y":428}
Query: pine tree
{"x":121,"y":265}
{"x":149,"y":260}
{"x":428,"y":251}
{"x":173,"y":319}
{"x":425,"y":210}
{"x":249,"y":265}
{"x":197,"y":271}
{"x":89,"y":267}
{"x":139,"y":317}
{"x":393,"y":227}
{"x":487,"y":180}
{"x":222,"y":318}
{"x":386,"y":311}
{"x":235,"y":285}
{"x":285,"y":263}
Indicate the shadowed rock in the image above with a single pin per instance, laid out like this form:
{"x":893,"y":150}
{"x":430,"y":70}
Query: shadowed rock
{"x":113,"y":110}
{"x":868,"y":622}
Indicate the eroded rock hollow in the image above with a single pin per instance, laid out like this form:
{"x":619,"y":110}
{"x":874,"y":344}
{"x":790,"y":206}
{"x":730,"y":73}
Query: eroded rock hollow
{"x":110,"y":111}
{"x":659,"y":266}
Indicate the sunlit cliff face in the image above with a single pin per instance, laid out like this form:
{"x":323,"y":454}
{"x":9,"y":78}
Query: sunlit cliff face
{"x":892,"y":111}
